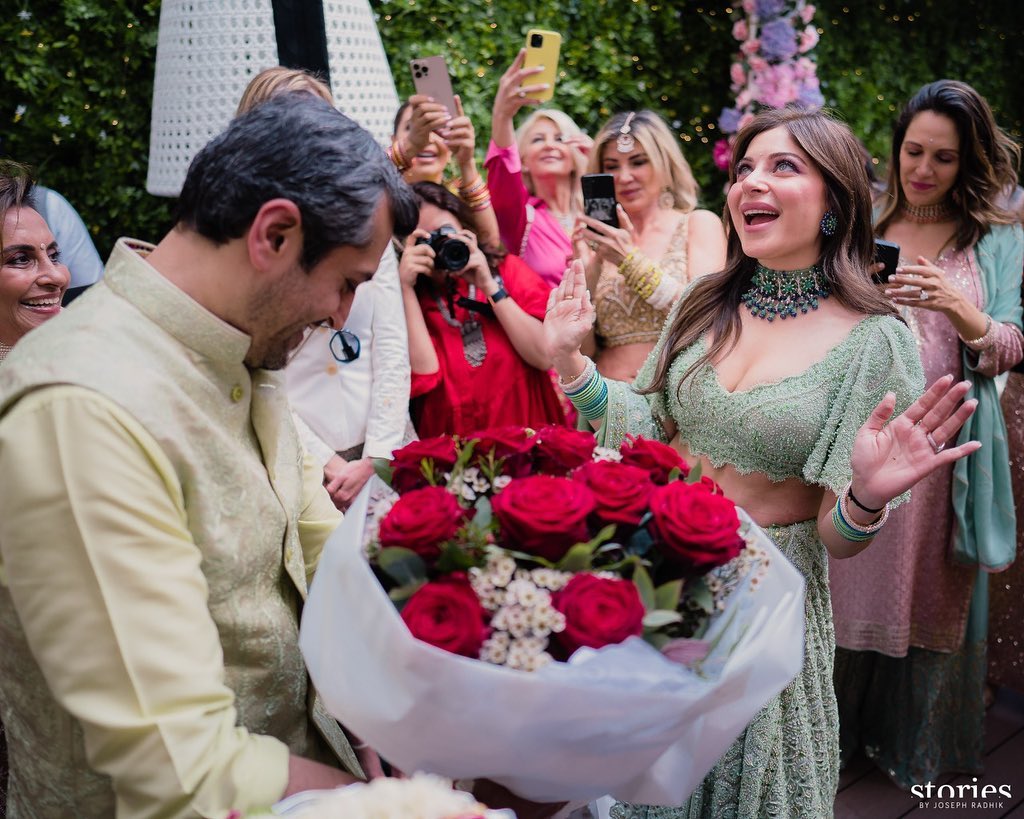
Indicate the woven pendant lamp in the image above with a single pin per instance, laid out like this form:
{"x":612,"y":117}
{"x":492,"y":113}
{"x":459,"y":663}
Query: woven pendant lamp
{"x":208,"y":50}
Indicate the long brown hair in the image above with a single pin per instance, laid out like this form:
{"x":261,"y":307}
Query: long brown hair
{"x":714,"y":302}
{"x":989,"y":160}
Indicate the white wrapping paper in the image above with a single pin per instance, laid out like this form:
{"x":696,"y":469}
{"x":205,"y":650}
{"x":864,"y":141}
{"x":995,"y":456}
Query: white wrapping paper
{"x":622,"y":720}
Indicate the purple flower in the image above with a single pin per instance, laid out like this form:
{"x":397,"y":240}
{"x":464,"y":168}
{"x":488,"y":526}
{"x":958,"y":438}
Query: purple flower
{"x":769,"y":8}
{"x":810,"y":96}
{"x":729,"y":120}
{"x":778,"y":40}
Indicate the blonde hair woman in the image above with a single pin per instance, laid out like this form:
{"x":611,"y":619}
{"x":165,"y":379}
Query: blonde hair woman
{"x":639,"y":269}
{"x":534,"y":175}
{"x":279,"y":80}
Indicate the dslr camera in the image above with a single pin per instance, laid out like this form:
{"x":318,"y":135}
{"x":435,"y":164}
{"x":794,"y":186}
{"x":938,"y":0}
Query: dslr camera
{"x":450,"y":254}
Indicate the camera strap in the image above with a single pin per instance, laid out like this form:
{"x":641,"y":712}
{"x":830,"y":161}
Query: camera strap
{"x":474,"y":345}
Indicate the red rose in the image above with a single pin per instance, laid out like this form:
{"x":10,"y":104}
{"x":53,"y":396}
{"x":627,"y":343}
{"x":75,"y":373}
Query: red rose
{"x":407,"y":462}
{"x":708,"y":485}
{"x":421,"y":520}
{"x":512,"y":444}
{"x":447,"y":614}
{"x":598,"y":611}
{"x":623,"y":493}
{"x":697,"y":530}
{"x":543,"y":515}
{"x":559,"y":450}
{"x":657,"y":458}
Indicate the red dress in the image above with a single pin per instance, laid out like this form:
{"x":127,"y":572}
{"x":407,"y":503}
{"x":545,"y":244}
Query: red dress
{"x":503,"y":390}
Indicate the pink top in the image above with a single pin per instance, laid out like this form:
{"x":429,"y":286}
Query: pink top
{"x":904,"y":590}
{"x":548,"y":247}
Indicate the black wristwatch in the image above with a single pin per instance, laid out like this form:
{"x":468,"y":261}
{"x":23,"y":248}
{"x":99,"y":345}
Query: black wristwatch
{"x":500,"y":293}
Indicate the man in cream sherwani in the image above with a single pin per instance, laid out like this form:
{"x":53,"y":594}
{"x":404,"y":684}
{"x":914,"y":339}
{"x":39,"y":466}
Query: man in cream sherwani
{"x":159,"y":524}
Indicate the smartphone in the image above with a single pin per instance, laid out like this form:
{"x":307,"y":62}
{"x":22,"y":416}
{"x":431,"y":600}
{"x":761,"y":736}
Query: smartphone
{"x":542,"y":49}
{"x":889,"y":254}
{"x":599,"y":198}
{"x":430,"y":77}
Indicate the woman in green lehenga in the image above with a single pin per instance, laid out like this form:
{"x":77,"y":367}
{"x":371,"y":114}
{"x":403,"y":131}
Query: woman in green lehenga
{"x":778,"y":376}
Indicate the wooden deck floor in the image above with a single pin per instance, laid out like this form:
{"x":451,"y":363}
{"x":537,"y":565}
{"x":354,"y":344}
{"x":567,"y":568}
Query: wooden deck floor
{"x":866,"y":793}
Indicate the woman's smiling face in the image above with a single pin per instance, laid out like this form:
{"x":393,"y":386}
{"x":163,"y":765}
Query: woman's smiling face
{"x":777,"y":202}
{"x":32,"y":277}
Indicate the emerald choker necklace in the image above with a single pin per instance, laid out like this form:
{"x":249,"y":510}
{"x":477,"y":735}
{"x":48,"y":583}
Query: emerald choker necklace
{"x":785,"y":293}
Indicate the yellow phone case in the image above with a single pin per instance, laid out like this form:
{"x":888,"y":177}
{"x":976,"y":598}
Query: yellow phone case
{"x":542,"y":48}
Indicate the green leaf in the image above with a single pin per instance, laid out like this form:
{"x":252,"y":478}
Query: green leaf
{"x":464,"y":456}
{"x":400,"y":594}
{"x":483,"y":516}
{"x":667,"y":595}
{"x":640,"y":543}
{"x":699,"y":593}
{"x":659,"y":618}
{"x":455,"y":559}
{"x":402,"y":565}
{"x":384,"y":471}
{"x":644,"y":585}
{"x":695,"y":473}
{"x":577,"y":559}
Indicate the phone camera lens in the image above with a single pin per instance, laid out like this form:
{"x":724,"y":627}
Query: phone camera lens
{"x":536,"y":41}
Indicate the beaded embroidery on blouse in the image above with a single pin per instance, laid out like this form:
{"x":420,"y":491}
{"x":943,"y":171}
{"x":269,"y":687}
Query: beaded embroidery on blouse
{"x":623,"y":317}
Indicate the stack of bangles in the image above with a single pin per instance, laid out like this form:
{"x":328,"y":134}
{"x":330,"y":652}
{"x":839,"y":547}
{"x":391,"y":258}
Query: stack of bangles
{"x":475,"y":194}
{"x":396,"y":155}
{"x":844,"y":523}
{"x":588,"y":392}
{"x":646,"y":279}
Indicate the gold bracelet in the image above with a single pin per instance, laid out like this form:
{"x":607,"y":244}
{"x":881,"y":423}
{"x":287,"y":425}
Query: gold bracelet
{"x":982,"y":341}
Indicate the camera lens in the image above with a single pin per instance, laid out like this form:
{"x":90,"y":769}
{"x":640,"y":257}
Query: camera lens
{"x":536,"y":40}
{"x":453,"y":255}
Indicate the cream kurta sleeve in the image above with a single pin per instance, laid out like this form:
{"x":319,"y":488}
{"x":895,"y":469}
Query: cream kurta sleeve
{"x":108,"y":586}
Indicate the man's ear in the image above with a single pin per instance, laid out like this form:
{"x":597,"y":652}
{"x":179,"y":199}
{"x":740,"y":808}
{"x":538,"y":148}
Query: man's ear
{"x":274,"y":238}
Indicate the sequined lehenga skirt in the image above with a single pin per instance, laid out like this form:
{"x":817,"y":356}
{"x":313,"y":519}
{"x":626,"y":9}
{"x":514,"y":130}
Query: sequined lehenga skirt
{"x":786,"y":763}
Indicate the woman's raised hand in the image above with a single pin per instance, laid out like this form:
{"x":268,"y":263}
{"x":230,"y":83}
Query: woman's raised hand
{"x":890,"y":458}
{"x":426,"y":116}
{"x":460,"y":136}
{"x":512,"y":93}
{"x":569,"y":317}
{"x":608,"y":243}
{"x":416,"y":260}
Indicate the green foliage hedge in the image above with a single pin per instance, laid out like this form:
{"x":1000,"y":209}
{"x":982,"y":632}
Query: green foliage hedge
{"x":76,"y":75}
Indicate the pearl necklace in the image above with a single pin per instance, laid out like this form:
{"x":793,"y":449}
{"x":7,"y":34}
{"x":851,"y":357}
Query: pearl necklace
{"x":785,"y":293}
{"x":928,"y":214}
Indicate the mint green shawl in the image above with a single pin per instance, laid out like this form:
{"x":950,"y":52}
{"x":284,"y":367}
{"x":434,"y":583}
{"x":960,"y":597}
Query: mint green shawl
{"x":982,"y":494}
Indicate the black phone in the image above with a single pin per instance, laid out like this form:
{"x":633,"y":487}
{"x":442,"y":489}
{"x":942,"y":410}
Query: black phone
{"x":599,"y":198}
{"x":889,"y":254}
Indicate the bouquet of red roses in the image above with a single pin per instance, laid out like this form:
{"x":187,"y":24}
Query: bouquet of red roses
{"x":512,"y":615}
{"x":517,"y":548}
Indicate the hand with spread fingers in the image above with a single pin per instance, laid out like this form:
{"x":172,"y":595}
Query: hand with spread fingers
{"x":608,"y":243}
{"x":924,"y":285}
{"x":890,"y":458}
{"x":460,"y":136}
{"x":570,"y":317}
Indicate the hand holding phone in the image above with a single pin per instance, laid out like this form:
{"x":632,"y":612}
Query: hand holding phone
{"x":889,"y":254}
{"x":430,"y":78}
{"x":599,"y":198}
{"x":542,"y":48}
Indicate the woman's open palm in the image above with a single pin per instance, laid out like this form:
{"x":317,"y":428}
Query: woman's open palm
{"x":570,"y":315}
{"x":890,"y":458}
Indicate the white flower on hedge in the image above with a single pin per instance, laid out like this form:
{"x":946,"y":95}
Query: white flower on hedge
{"x":24,"y":15}
{"x":64,"y":120}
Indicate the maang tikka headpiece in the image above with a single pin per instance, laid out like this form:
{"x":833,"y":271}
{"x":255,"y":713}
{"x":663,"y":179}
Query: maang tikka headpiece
{"x":624,"y":142}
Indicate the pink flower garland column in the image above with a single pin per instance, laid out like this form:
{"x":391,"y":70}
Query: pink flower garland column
{"x":774,"y":66}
